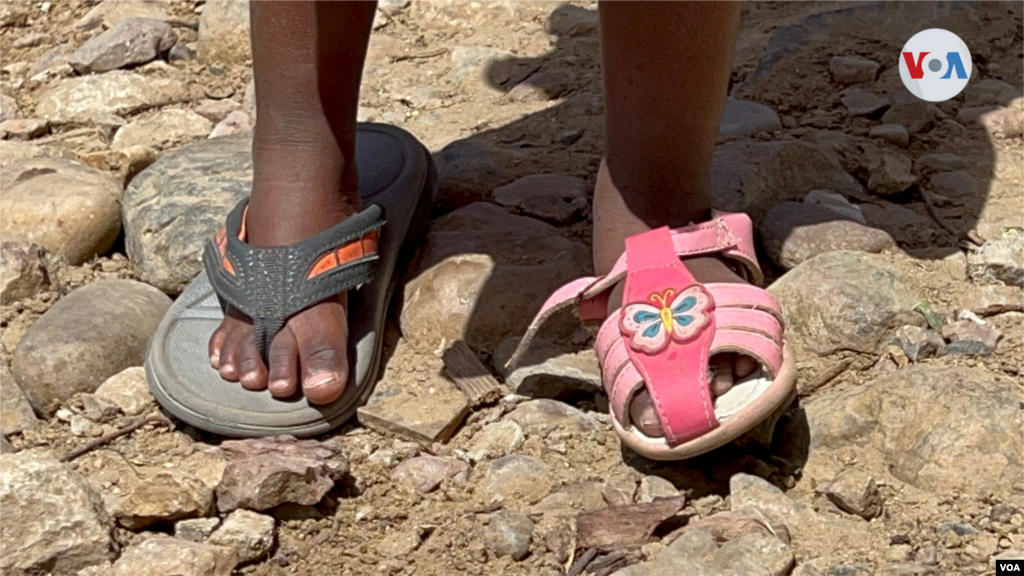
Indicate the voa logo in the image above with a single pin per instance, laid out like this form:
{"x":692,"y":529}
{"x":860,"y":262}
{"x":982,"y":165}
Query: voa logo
{"x":935,"y":65}
{"x":1006,"y":567}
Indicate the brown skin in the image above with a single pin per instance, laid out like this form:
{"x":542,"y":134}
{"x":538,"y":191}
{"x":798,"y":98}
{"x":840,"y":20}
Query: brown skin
{"x":666,"y":69}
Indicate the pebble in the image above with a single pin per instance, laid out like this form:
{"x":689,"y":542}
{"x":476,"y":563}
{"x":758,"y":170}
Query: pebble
{"x":860,"y":102}
{"x":423,"y":410}
{"x":53,"y":62}
{"x":571,"y":500}
{"x":652,"y":487}
{"x":110,"y":13}
{"x":835,"y":202}
{"x":970,"y":337}
{"x":88,"y":336}
{"x":571,"y":21}
{"x":817,"y":294}
{"x":548,"y":369}
{"x":958,"y":185}
{"x":22,"y":272}
{"x":217,"y":110}
{"x":927,"y":409}
{"x":181,"y":53}
{"x":8,"y":108}
{"x":23,"y":128}
{"x":495,"y":440}
{"x":892,"y":133}
{"x":856,"y":492}
{"x":989,"y":92}
{"x":793,"y":232}
{"x":133,"y":41}
{"x":806,"y":570}
{"x":166,"y":496}
{"x":481,"y":276}
{"x":128,"y":390}
{"x":248,"y":533}
{"x":696,"y":552}
{"x":740,"y":118}
{"x":115,"y":92}
{"x":32,"y":39}
{"x":919,"y":343}
{"x":69,"y":209}
{"x":516,"y":476}
{"x":399,"y":544}
{"x":162,"y":556}
{"x":940,"y":162}
{"x":556,"y":198}
{"x":98,"y":410}
{"x":265,"y":472}
{"x":1002,"y":513}
{"x":166,"y":128}
{"x":235,"y":123}
{"x":508,"y":534}
{"x":424,"y":474}
{"x":998,"y":261}
{"x":176,"y":204}
{"x":852,"y":70}
{"x":891,"y":174}
{"x":468,"y":170}
{"x":62,"y":526}
{"x":224,"y":33}
{"x":16,"y":414}
{"x":914,"y":116}
{"x":543,"y":415}
{"x":195,"y":529}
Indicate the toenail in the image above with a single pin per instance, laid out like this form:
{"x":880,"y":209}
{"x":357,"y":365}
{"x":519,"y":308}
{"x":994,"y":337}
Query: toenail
{"x":320,"y":380}
{"x":249,"y":366}
{"x":279,"y":385}
{"x":215,"y":358}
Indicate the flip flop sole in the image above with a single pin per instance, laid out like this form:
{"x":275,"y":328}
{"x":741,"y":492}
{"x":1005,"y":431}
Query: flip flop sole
{"x":396,"y":173}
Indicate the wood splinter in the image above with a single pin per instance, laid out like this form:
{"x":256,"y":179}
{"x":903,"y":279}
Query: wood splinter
{"x":470,"y":375}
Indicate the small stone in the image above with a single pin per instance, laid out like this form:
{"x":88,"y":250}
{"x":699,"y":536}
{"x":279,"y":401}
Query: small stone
{"x":794,"y":232}
{"x":1002,"y":513}
{"x":53,"y":62}
{"x":919,"y":343}
{"x":970,"y":337}
{"x":541,"y":87}
{"x":236,"y":122}
{"x":427,"y":410}
{"x":128,"y":390}
{"x":88,"y":336}
{"x":988,"y":92}
{"x":496,"y":440}
{"x":32,"y":39}
{"x":958,"y":528}
{"x":549,"y":369}
{"x":164,"y":497}
{"x":217,"y":110}
{"x":224,"y":33}
{"x":957,"y":185}
{"x":16,"y":413}
{"x":652,"y":487}
{"x":263,"y":473}
{"x":166,"y":556}
{"x":98,"y":410}
{"x":22,"y":272}
{"x":515,"y":476}
{"x":115,"y":92}
{"x":860,"y":102}
{"x":572,"y":21}
{"x":424,"y":474}
{"x":399,"y":544}
{"x":852,"y":70}
{"x":741,"y":117}
{"x":835,"y":202}
{"x":619,"y":491}
{"x":543,"y":415}
{"x":557,"y":198}
{"x":927,"y":556}
{"x":891,"y":175}
{"x":24,"y":128}
{"x":855,"y":491}
{"x":571,"y":500}
{"x":82,"y":427}
{"x":181,"y":53}
{"x":393,"y":7}
{"x":62,"y":526}
{"x":248,"y":533}
{"x":1003,"y":122}
{"x":508,"y":534}
{"x":806,"y":570}
{"x":132,"y":41}
{"x":166,"y":128}
{"x":849,"y":570}
{"x":891,"y":133}
{"x":195,"y":529}
{"x":111,"y":12}
{"x":8,"y":108}
{"x":914,"y":116}
{"x":468,"y":170}
{"x":65,"y":207}
{"x":942,"y":162}
{"x":1000,"y":260}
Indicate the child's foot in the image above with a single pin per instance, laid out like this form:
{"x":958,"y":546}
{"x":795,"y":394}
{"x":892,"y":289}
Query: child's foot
{"x":294,"y":197}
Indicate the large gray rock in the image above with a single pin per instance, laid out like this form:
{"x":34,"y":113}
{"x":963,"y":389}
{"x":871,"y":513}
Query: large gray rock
{"x":173,"y":207}
{"x":468,"y":170}
{"x":16,"y":414}
{"x":938,"y":428}
{"x":508,"y":534}
{"x":166,"y":556}
{"x":111,"y":12}
{"x":132,"y":41}
{"x":224,"y":33}
{"x":482,"y":274}
{"x":753,"y":177}
{"x":696,"y":552}
{"x":165,"y":128}
{"x":54,"y":521}
{"x":66,"y":207}
{"x":793,"y":232}
{"x":22,"y":272}
{"x":1000,"y":260}
{"x":88,"y":336}
{"x":115,"y":92}
{"x":843,"y":301}
{"x":741,"y":117}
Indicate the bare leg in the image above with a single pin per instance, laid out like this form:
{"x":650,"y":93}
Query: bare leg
{"x":666,"y":71}
{"x":308,"y":61}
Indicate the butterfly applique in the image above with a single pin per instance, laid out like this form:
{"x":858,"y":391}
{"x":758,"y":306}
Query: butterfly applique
{"x":676,"y":317}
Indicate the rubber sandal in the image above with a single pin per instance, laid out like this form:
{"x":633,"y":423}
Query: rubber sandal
{"x":397,"y":183}
{"x":669,"y":327}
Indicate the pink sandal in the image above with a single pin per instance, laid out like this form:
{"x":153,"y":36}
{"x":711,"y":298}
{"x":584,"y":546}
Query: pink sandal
{"x":669,"y":327}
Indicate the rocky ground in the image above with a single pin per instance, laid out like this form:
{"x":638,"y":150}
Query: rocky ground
{"x":891,"y":230}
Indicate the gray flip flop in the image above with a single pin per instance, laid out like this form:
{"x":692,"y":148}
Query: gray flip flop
{"x":397,"y":184}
